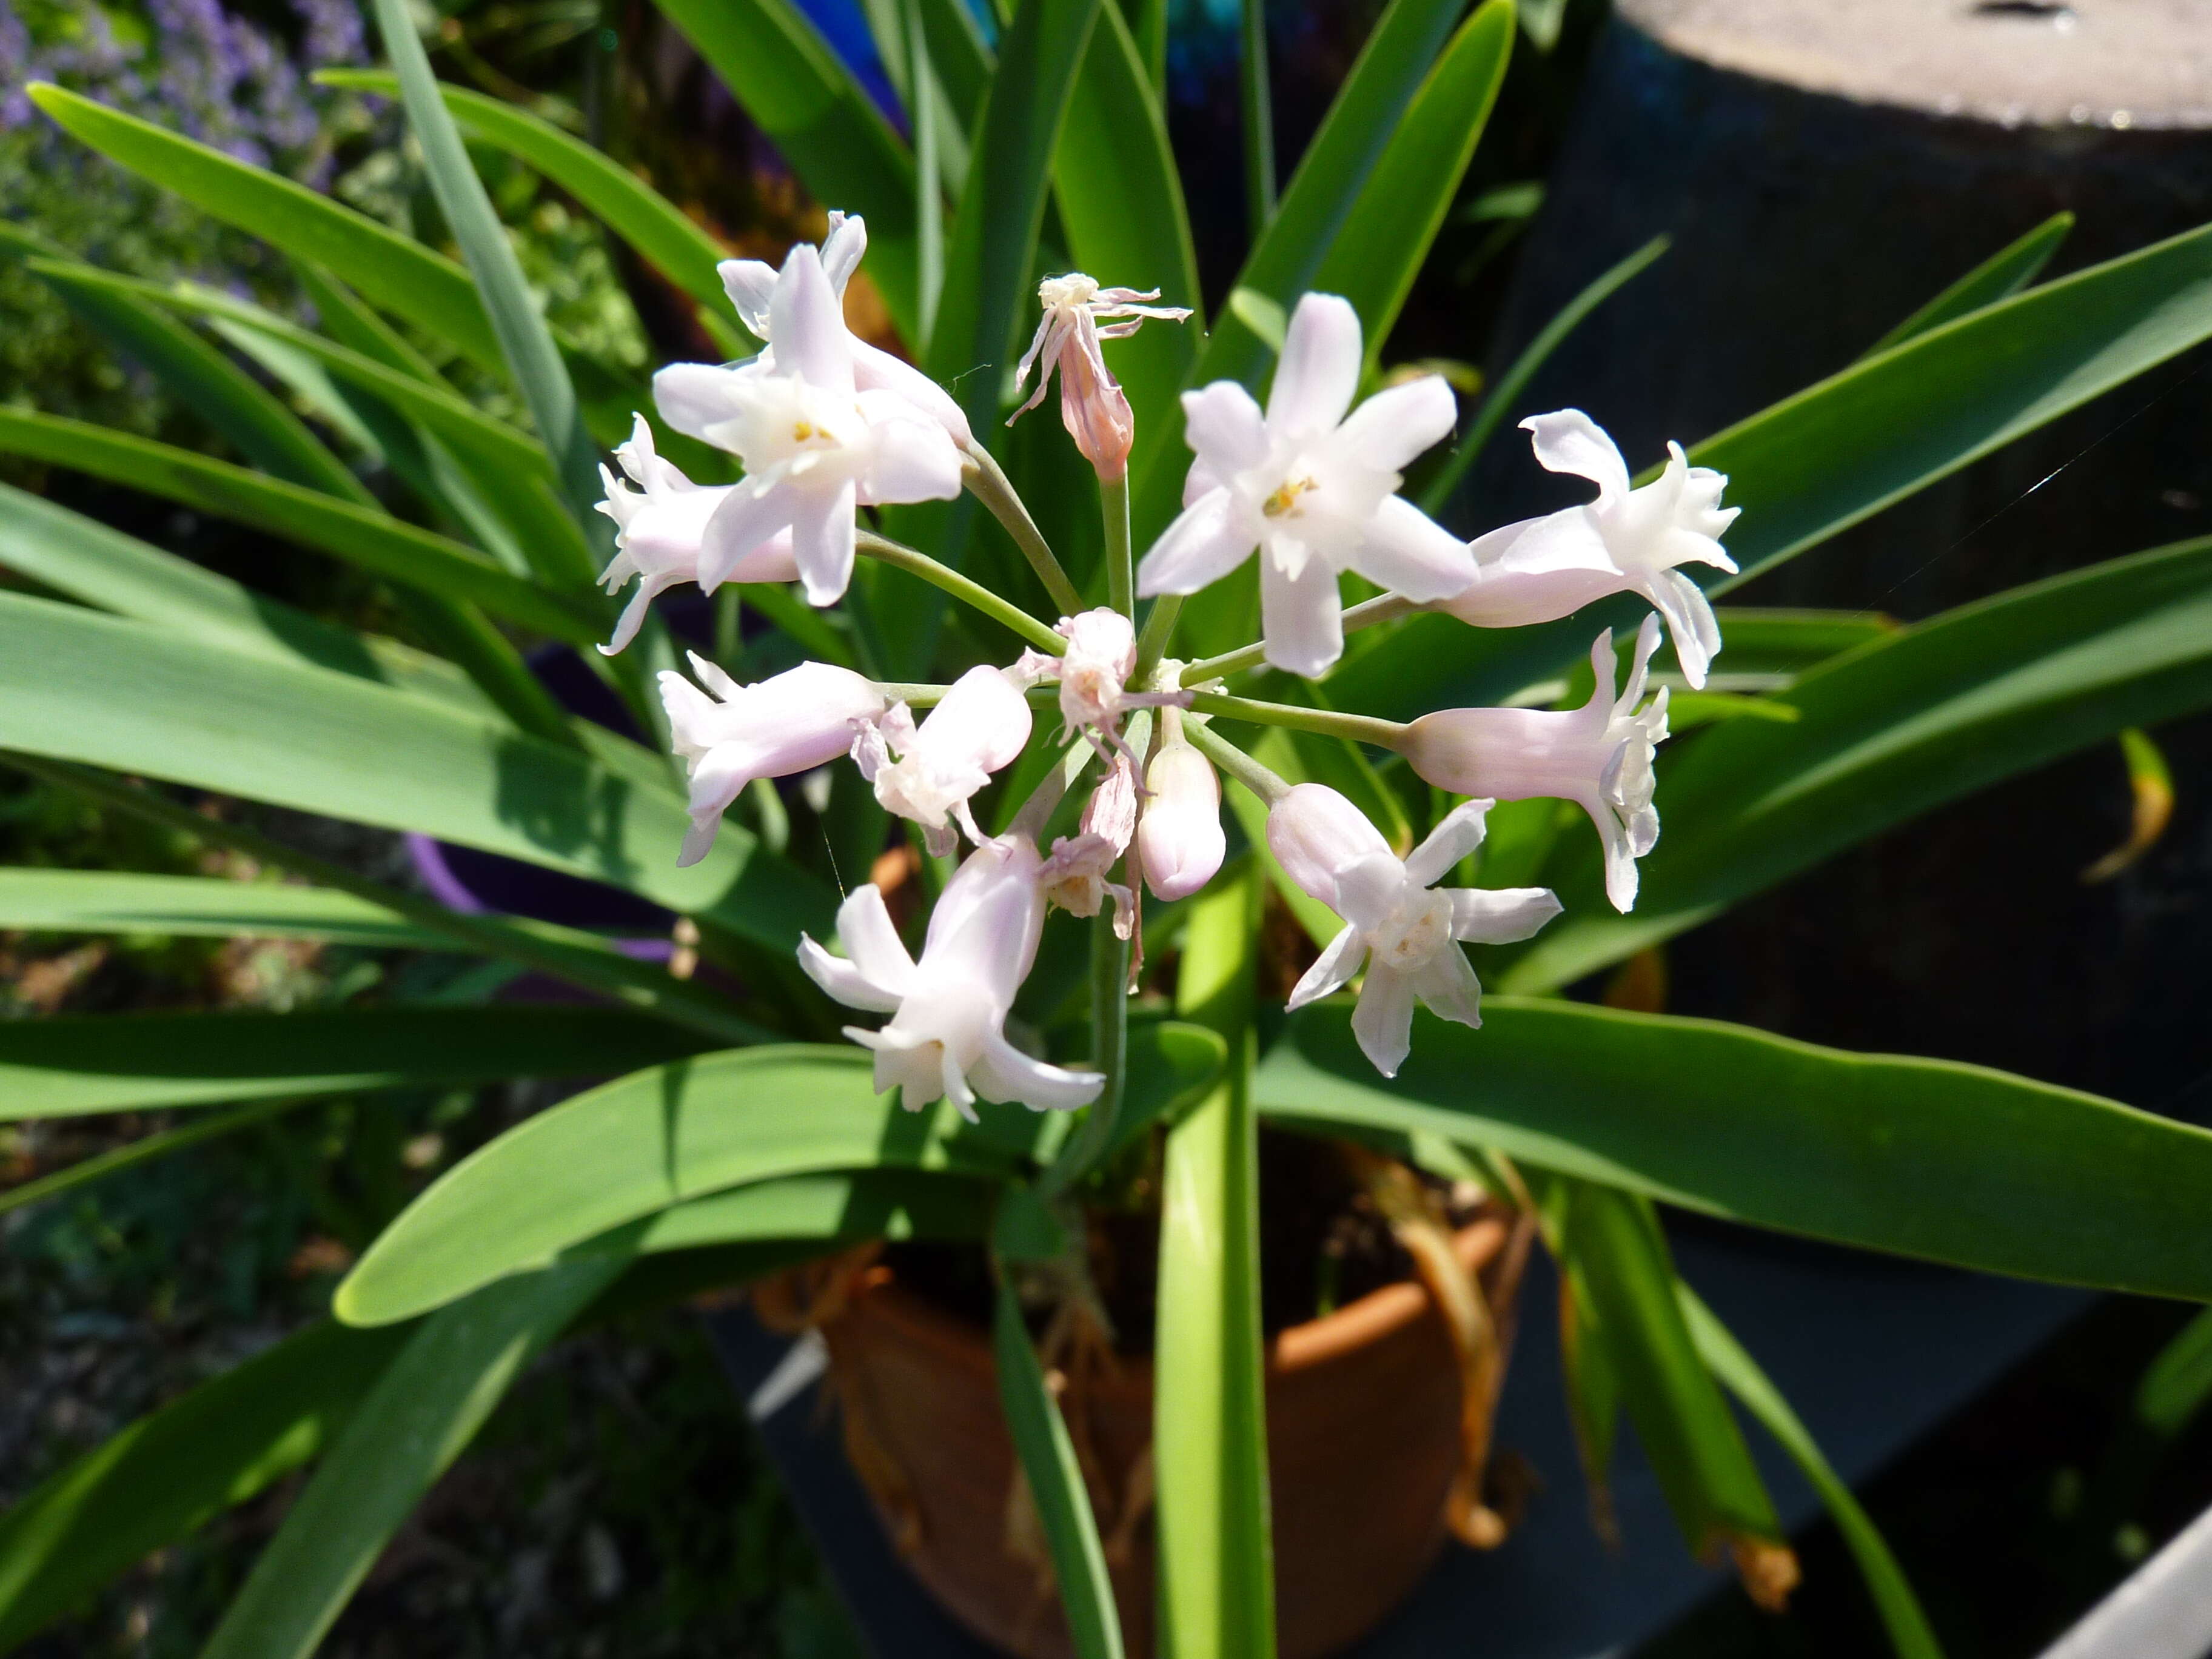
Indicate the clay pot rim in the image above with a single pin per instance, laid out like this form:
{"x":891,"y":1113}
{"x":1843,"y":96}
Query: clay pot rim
{"x":1308,"y":1346}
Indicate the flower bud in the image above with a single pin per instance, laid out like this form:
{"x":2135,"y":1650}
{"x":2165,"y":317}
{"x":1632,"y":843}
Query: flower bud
{"x":1180,"y":843}
{"x":793,"y":722}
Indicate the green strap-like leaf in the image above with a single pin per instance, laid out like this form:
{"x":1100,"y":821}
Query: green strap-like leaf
{"x":524,"y":341}
{"x":1686,"y":1430}
{"x":1055,"y":1482}
{"x":1908,"y":1627}
{"x":401,"y":276}
{"x":1122,"y":207}
{"x":1385,"y":238}
{"x":433,"y":1397}
{"x":1209,"y":1423}
{"x":136,"y":1062}
{"x":1921,"y":1158}
{"x":819,"y":1210}
{"x":165,"y":1475}
{"x":198,"y":907}
{"x":144,"y":1150}
{"x":1891,"y":730}
{"x":148,"y":702}
{"x":2002,"y":274}
{"x":658,"y":1139}
{"x":824,"y":123}
{"x":362,"y":536}
{"x":964,"y":61}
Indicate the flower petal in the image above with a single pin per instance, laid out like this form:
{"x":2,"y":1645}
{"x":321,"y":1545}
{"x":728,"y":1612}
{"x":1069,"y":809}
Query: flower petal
{"x":842,"y":248}
{"x":874,"y":943}
{"x":1208,"y":539}
{"x":1004,"y":1073}
{"x":1368,"y":889}
{"x":1501,"y":915}
{"x":1332,"y":971}
{"x":1395,"y":425}
{"x":875,"y":370}
{"x":695,"y":397}
{"x":770,"y":561}
{"x":749,"y":283}
{"x":1446,"y":982}
{"x":1690,"y":623}
{"x":1301,"y":617}
{"x":1457,"y":833}
{"x":1410,"y":553}
{"x":1384,"y":1021}
{"x":747,"y":517}
{"x":1318,"y":373}
{"x":1224,"y":427}
{"x":808,"y":324}
{"x":1568,"y":440}
{"x":822,"y":541}
{"x":1315,"y":832}
{"x":914,"y":461}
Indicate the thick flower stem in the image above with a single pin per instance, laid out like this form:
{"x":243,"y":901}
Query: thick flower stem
{"x":1121,"y":577}
{"x":1260,"y":780}
{"x":1011,"y":617}
{"x":1384,"y":607}
{"x":1152,"y":642}
{"x":1359,"y":728}
{"x":990,"y":485}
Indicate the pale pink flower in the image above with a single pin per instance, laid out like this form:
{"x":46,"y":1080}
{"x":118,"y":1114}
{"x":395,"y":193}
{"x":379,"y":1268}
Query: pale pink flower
{"x":1091,"y":403}
{"x":792,"y":722}
{"x":928,"y":771}
{"x":1626,"y":541}
{"x":1598,"y":756}
{"x":1180,"y":840}
{"x":1075,"y":876}
{"x":1313,"y":490}
{"x":946,"y":1037}
{"x":816,"y":447}
{"x":1399,"y":923}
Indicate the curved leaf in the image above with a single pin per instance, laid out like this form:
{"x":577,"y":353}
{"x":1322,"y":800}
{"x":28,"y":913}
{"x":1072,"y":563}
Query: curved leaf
{"x":1891,"y":729}
{"x":1921,"y":1158}
{"x":148,"y":702}
{"x":198,"y":907}
{"x":818,"y":1210}
{"x":2000,"y":276}
{"x":65,"y":1066}
{"x":400,"y":275}
{"x":165,"y":1475}
{"x":364,"y":536}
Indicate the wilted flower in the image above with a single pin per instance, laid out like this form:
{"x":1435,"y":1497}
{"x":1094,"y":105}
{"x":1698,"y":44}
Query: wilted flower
{"x":1598,"y":756}
{"x":791,"y":722}
{"x":1075,"y":877}
{"x":1626,"y":541}
{"x":1180,"y":841}
{"x":1093,"y":674}
{"x":946,"y":1036}
{"x":815,"y":446}
{"x":927,"y":772}
{"x":658,"y":529}
{"x":750,"y":284}
{"x":1313,"y":490}
{"x":1092,"y":404}
{"x":1398,"y":922}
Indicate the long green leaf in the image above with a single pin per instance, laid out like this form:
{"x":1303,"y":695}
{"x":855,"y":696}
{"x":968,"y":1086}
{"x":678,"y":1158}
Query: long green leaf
{"x":161,"y":1477}
{"x":1055,"y":1482}
{"x":1209,"y":1425}
{"x":823,"y":122}
{"x":198,"y":907}
{"x":637,"y":1146}
{"x":431,"y":1400}
{"x":653,"y":225}
{"x":145,"y":701}
{"x":819,"y":1210}
{"x":87,"y":561}
{"x":1921,"y":1158}
{"x":362,"y":536}
{"x":401,"y":276}
{"x":144,"y":1150}
{"x":66,"y":1066}
{"x":1729,"y":1360}
{"x":1385,"y":238}
{"x":964,"y":61}
{"x":524,"y":341}
{"x":2002,"y":274}
{"x":1121,"y":204}
{"x":1687,"y":1432}
{"x":1891,"y":729}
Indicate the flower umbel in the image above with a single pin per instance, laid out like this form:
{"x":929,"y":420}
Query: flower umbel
{"x":946,"y":1037}
{"x":1398,"y":922}
{"x":1598,"y":756}
{"x":1314,"y":490}
{"x":659,"y":530}
{"x":1091,"y":403}
{"x":793,"y":722}
{"x":1626,"y":541}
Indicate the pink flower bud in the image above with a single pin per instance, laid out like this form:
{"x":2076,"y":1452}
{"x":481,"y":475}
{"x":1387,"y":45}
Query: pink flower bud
{"x":1180,"y":841}
{"x":1092,"y":404}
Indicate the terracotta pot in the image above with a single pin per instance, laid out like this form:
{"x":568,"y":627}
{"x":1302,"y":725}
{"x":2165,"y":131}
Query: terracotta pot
{"x":1364,"y":1440}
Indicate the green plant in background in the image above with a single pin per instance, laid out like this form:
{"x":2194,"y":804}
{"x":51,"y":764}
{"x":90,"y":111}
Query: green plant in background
{"x":739,"y":1136}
